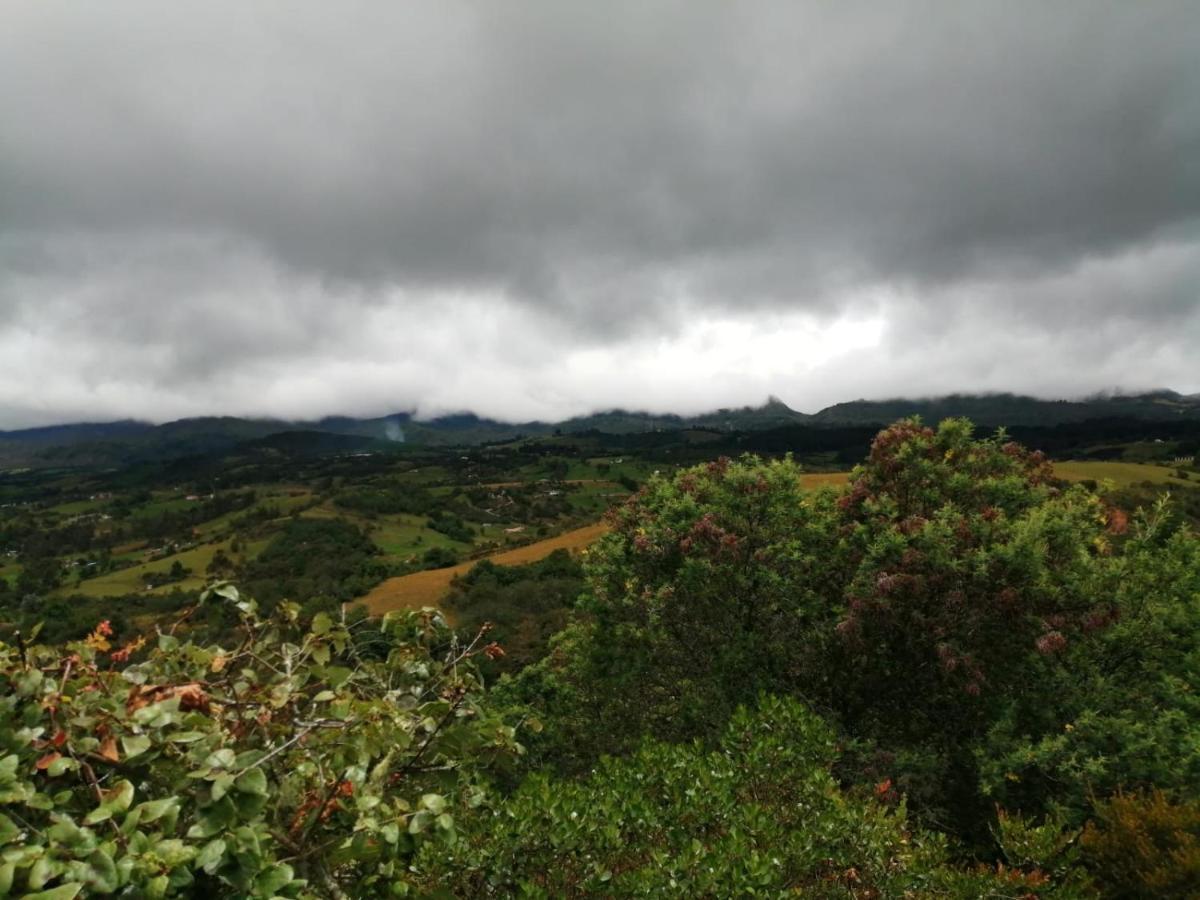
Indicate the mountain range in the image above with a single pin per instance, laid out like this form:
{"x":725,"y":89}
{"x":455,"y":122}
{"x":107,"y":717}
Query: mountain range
{"x":129,"y":440}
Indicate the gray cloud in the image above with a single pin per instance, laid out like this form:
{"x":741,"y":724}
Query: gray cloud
{"x":302,"y":208}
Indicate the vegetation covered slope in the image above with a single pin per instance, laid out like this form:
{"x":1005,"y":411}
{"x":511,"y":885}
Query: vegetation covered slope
{"x":955,"y":676}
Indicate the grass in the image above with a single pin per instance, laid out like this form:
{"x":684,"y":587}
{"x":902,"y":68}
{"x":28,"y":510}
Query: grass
{"x":129,"y":581}
{"x":403,"y":536}
{"x":77,"y":507}
{"x":286,"y":501}
{"x":11,"y":571}
{"x":1120,"y":473}
{"x":429,"y":587}
{"x":164,"y":503}
{"x":400,"y":536}
{"x":821,"y":479}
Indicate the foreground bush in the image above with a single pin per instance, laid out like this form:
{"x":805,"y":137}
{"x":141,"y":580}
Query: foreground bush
{"x":983,"y":632}
{"x":286,"y":762}
{"x":760,"y":815}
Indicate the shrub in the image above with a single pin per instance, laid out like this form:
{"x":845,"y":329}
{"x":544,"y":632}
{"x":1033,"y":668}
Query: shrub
{"x":760,"y":815}
{"x":283,"y":763}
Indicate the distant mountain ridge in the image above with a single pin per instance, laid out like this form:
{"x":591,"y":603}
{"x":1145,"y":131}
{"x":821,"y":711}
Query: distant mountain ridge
{"x":128,"y":440}
{"x":1013,"y":409}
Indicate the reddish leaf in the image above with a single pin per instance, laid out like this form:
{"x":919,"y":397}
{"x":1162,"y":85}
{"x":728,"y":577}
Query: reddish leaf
{"x":108,"y":749}
{"x":47,"y":761}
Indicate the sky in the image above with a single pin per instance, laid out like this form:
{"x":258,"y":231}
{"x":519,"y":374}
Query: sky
{"x":541,"y":209}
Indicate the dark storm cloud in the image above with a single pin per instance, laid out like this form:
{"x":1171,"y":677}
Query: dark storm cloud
{"x":212,"y":202}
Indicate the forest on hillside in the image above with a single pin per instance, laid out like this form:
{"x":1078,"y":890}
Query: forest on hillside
{"x":956,"y":675}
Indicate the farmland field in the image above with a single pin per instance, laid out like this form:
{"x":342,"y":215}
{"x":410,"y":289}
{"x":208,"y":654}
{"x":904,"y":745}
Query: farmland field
{"x":427,"y":588}
{"x":1120,"y":473}
{"x":821,"y":479}
{"x":129,"y":581}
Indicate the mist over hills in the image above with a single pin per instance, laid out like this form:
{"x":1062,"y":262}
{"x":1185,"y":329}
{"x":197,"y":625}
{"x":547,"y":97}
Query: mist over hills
{"x":128,"y":440}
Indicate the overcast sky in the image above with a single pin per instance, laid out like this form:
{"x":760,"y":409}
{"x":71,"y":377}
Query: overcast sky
{"x":533,"y":210}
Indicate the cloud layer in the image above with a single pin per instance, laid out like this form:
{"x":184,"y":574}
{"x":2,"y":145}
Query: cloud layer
{"x":540,"y":209}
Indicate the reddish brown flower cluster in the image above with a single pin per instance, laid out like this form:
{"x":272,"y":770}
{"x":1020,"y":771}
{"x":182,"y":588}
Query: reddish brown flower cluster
{"x":1050,"y":643}
{"x":718,"y":467}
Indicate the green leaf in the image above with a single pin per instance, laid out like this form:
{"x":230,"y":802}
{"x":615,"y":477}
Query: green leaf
{"x":60,"y":765}
{"x":156,"y":809}
{"x":103,"y":872}
{"x":321,"y":623}
{"x":209,"y":859}
{"x":120,"y":797}
{"x":253,"y":782}
{"x":8,"y":829}
{"x":62,"y":892}
{"x":135,"y":744}
{"x":221,"y":759}
{"x":435,"y":803}
{"x":185,"y":737}
{"x":419,"y":821}
{"x":221,"y":785}
{"x":269,"y":881}
{"x":101,"y":813}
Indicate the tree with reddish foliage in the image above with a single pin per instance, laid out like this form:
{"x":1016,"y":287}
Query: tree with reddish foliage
{"x":721,"y":569}
{"x":971,"y":572}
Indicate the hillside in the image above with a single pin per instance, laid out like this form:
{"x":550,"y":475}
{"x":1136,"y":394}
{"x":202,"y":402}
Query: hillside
{"x":118,"y":443}
{"x":1012,"y":409}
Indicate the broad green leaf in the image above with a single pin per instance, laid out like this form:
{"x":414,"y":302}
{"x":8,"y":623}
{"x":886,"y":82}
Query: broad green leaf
{"x":62,"y":892}
{"x":209,"y":858}
{"x":269,"y":881}
{"x":155,"y":809}
{"x":253,"y":782}
{"x":61,"y":765}
{"x":8,"y":829}
{"x":435,"y":803}
{"x":103,"y":872}
{"x":135,"y":744}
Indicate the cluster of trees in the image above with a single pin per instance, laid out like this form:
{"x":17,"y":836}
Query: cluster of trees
{"x":981,"y":635}
{"x":524,"y":605}
{"x":318,"y":563}
{"x":176,"y":573}
{"x":451,"y":526}
{"x":387,"y":498}
{"x":957,"y":677}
